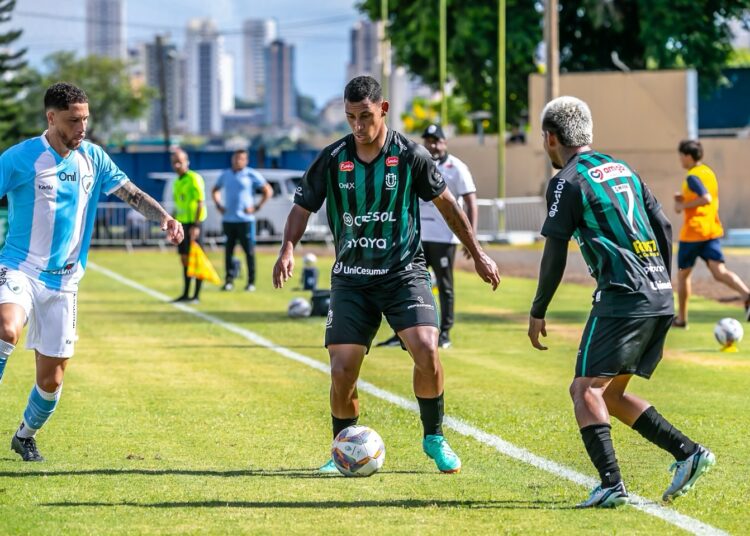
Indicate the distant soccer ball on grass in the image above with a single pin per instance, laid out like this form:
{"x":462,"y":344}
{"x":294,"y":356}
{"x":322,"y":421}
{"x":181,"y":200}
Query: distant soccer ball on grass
{"x":728,"y":332}
{"x":358,"y":451}
{"x":299,"y":308}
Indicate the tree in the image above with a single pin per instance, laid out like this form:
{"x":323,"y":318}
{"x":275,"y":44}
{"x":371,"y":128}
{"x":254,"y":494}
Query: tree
{"x":306,"y":109}
{"x":645,"y":34}
{"x":472,"y":47}
{"x":14,"y":82}
{"x":112,"y":95}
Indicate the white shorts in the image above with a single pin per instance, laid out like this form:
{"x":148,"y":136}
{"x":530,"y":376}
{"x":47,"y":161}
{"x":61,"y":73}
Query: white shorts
{"x":51,"y":314}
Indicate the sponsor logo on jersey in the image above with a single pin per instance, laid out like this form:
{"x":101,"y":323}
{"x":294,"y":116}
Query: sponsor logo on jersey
{"x":65,"y":270}
{"x":651,"y":269}
{"x":346,"y":186}
{"x":298,"y":191}
{"x":661,"y":285}
{"x":608,"y":171}
{"x":421,"y":304}
{"x":329,"y":319}
{"x":556,"y":195}
{"x":391,"y":161}
{"x":338,"y":148}
{"x":391,"y":181}
{"x":357,"y":221}
{"x":43,"y":186}
{"x":347,"y":165}
{"x":367,"y":243}
{"x":358,"y":270}
{"x":87,"y":182}
{"x":67,"y":177}
{"x":645,"y":249}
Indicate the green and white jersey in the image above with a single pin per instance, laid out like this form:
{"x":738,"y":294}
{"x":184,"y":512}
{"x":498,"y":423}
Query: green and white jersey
{"x":604,"y":205}
{"x":373,"y":208}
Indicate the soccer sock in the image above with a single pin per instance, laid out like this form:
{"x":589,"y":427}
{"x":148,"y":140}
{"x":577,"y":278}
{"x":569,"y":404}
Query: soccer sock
{"x":198,"y":283}
{"x":431,"y":411}
{"x":598,"y":442}
{"x":340,"y":424}
{"x":661,"y":433}
{"x":186,"y":280}
{"x":40,"y":408}
{"x":6,"y":349}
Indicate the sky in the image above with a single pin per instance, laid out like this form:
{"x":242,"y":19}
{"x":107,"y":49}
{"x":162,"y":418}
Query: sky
{"x":319,"y":30}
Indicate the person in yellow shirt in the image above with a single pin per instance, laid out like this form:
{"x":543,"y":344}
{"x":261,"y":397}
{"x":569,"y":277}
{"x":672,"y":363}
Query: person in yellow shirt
{"x":189,"y":193}
{"x":701,"y":230}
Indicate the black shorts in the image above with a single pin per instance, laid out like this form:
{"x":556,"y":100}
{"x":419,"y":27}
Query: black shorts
{"x":355,"y":313}
{"x":613,"y":346}
{"x":708,"y":250}
{"x":183,"y":248}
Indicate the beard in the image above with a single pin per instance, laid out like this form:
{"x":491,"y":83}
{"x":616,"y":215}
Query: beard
{"x":70,"y":143}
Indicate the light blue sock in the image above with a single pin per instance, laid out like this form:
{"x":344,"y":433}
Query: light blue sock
{"x":6,"y":349}
{"x":40,"y":408}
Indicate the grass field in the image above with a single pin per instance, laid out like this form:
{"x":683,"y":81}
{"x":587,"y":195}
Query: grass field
{"x":171,"y":423}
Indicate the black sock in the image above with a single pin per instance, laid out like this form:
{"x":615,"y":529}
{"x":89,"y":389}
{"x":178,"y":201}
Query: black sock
{"x":431,"y":411}
{"x":198,"y":283}
{"x":340,"y":424}
{"x":598,"y":442}
{"x":661,"y":433}
{"x":186,"y":280}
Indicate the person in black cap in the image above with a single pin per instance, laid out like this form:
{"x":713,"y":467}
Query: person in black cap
{"x":438,"y":240}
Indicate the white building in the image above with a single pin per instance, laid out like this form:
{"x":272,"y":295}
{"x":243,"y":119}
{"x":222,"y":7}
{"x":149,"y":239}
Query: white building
{"x":257,"y":35}
{"x":170,"y":62}
{"x":281,"y":93}
{"x":206,"y":78}
{"x":105,"y":28}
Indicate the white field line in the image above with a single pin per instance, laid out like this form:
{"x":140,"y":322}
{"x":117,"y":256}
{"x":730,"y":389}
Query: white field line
{"x":682,"y":521}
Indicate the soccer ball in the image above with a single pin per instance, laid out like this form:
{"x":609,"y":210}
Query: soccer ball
{"x":728,"y":331}
{"x":358,"y":451}
{"x":299,"y":308}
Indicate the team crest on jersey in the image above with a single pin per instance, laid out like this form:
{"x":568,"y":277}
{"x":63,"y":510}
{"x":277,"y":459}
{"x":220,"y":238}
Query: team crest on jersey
{"x":338,"y":267}
{"x":391,"y":181}
{"x":391,"y":161}
{"x":608,"y":171}
{"x":346,"y":166}
{"x":87,"y":182}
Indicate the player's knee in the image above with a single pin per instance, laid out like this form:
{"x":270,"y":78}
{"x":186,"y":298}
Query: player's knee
{"x":343,"y":376}
{"x":427,"y":361}
{"x":50,"y":383}
{"x":10,"y":331}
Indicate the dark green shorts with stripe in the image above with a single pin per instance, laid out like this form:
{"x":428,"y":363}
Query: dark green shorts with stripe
{"x":613,"y":346}
{"x":354,"y":314}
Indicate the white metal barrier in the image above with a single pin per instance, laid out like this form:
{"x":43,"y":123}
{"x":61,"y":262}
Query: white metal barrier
{"x":500,"y":220}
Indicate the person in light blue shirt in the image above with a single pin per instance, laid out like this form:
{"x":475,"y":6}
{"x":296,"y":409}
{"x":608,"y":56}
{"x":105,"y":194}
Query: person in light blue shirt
{"x":238,"y":209}
{"x":53,"y":183}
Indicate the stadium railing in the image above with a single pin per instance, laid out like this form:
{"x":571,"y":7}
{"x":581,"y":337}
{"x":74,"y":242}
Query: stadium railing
{"x":515,"y":219}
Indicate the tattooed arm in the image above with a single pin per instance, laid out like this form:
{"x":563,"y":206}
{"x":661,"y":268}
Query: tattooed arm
{"x":459,"y":224}
{"x":153,"y":211}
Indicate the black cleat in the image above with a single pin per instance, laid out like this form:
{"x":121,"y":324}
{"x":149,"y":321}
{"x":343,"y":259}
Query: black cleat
{"x":181,"y":299}
{"x":444,"y":340}
{"x":393,"y":341}
{"x":26,"y":447}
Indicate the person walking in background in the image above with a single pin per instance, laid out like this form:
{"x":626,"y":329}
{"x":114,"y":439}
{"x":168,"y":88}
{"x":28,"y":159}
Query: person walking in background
{"x":438,"y":240}
{"x":189,"y":194}
{"x":701,"y":230}
{"x":238,"y":213}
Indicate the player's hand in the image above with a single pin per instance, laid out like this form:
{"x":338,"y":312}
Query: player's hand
{"x":537,"y":326}
{"x":195,"y":232}
{"x":679,"y":201}
{"x":249,"y":210}
{"x":175,"y":233}
{"x":487,"y":269}
{"x":282,"y":270}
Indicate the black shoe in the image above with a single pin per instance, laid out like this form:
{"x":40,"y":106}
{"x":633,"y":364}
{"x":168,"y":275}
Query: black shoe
{"x":26,"y":447}
{"x":181,"y":299}
{"x":444,"y":340}
{"x":393,"y":341}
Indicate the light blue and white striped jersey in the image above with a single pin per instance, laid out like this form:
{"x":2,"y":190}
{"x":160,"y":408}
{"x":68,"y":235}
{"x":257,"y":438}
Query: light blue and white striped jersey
{"x":52,"y":207}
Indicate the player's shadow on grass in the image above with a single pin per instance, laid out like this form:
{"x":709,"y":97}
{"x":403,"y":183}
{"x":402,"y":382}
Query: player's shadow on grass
{"x":395,"y":503}
{"x":303,"y":472}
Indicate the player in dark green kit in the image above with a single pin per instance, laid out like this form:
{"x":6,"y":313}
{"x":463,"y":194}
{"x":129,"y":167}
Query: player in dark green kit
{"x":371,"y":181}
{"x":626,"y":240}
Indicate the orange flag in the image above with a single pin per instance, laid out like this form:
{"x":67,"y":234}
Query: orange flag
{"x":199,"y":266}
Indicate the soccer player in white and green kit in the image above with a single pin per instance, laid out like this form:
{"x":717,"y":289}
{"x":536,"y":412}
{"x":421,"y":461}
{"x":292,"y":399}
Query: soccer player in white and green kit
{"x":371,"y":181}
{"x":53,"y":183}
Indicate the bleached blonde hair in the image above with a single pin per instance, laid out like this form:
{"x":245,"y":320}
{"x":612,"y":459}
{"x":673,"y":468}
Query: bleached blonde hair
{"x":569,"y":119}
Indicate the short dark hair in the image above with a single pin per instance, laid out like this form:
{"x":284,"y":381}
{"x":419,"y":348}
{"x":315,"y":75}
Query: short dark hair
{"x":62,"y":94}
{"x":239,"y":151}
{"x":361,"y":88}
{"x":692,"y":148}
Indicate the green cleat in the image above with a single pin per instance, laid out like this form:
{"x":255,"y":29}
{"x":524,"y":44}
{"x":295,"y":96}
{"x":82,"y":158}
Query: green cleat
{"x":329,"y":468}
{"x":437,"y":448}
{"x":688,"y":471}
